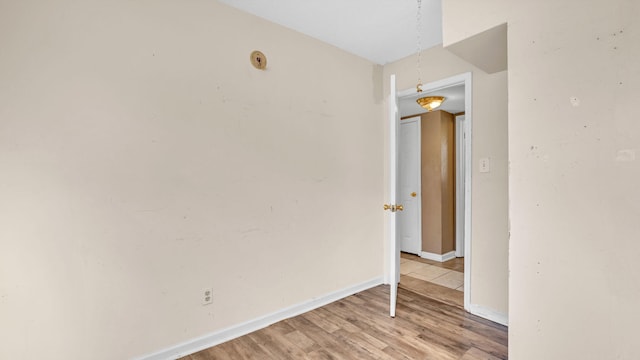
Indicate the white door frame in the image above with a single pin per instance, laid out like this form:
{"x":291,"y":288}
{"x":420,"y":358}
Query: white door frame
{"x":460,"y":172}
{"x":466,"y":79}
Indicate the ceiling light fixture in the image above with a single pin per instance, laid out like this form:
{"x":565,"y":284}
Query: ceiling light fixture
{"x":428,"y":102}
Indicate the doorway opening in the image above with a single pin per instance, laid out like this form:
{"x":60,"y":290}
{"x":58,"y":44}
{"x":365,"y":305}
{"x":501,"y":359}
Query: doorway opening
{"x":416,"y":230}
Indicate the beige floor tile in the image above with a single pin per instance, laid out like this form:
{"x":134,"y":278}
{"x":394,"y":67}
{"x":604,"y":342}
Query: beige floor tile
{"x":410,"y":266}
{"x":452,"y":280}
{"x":461,"y":288}
{"x":428,"y":272}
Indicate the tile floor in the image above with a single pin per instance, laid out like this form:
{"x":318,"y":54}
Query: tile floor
{"x":433,"y":274}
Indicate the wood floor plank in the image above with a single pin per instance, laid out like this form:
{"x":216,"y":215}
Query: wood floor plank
{"x":372,"y":340}
{"x":476,"y":354}
{"x":439,"y":344}
{"x":321,"y":322}
{"x":364,"y":349}
{"x":395,"y":354}
{"x":340,"y":322}
{"x":274,"y":343}
{"x":302,"y":341}
{"x":230,"y":351}
{"x":452,"y":318}
{"x":282,"y":327}
{"x":332,"y":344}
{"x":461,"y":322}
{"x":248,"y":349}
{"x":439,"y":335}
{"x":321,"y":355}
{"x":394,"y":332}
{"x":434,"y":291}
{"x":448,"y":328}
{"x":359,"y":327}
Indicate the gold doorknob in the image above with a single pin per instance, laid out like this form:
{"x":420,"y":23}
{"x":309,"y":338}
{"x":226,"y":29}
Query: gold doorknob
{"x":413,"y":194}
{"x":393,"y":208}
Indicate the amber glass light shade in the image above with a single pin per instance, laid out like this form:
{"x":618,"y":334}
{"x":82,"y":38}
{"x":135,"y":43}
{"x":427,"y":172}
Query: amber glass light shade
{"x":430,"y":102}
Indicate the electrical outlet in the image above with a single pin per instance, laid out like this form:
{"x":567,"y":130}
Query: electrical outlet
{"x":207,"y":296}
{"x":485,"y":165}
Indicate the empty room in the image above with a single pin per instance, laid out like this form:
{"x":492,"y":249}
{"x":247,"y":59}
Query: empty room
{"x":229,"y":179}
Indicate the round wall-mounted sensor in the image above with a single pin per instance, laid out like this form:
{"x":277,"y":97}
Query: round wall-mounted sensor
{"x":258,"y":60}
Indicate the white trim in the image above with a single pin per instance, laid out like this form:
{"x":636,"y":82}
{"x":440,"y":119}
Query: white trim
{"x":218,"y":337}
{"x":466,"y":79}
{"x":468,"y":122}
{"x":420,"y":181}
{"x":394,"y":249}
{"x":440,"y":84}
{"x":460,"y":175}
{"x":437,"y":257}
{"x":489,"y":314}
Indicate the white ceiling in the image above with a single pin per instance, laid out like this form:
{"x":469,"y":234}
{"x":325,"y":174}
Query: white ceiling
{"x":381,"y":31}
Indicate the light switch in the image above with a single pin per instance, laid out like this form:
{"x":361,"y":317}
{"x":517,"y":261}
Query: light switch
{"x":485,"y":165}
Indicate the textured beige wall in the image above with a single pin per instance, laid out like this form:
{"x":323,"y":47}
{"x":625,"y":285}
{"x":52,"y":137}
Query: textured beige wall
{"x":574,"y":135}
{"x":456,"y":27}
{"x":143,"y":159}
{"x":489,"y":190}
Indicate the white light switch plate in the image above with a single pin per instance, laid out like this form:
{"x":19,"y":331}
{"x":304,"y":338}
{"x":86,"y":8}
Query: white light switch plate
{"x":485,"y":165}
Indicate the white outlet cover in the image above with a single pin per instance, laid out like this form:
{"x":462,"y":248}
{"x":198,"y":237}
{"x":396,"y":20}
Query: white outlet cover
{"x":485,"y":165}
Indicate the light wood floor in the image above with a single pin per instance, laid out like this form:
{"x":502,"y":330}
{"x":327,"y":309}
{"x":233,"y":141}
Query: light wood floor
{"x":359,"y":327}
{"x":434,"y":291}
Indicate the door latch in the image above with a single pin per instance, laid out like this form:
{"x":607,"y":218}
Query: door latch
{"x":393,"y":208}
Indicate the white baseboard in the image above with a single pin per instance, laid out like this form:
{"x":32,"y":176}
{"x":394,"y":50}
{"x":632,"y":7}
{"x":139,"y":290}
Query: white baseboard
{"x":437,"y":257}
{"x":218,"y":337}
{"x":489,"y":314}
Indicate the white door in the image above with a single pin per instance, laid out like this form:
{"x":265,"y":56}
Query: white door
{"x":409,"y":180}
{"x":394,"y":249}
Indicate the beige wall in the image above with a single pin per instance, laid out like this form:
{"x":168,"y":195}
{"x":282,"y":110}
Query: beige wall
{"x":574,"y":135}
{"x":437,"y":174}
{"x":143,"y":159}
{"x":447,"y":145}
{"x":431,"y":178}
{"x":489,"y":190}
